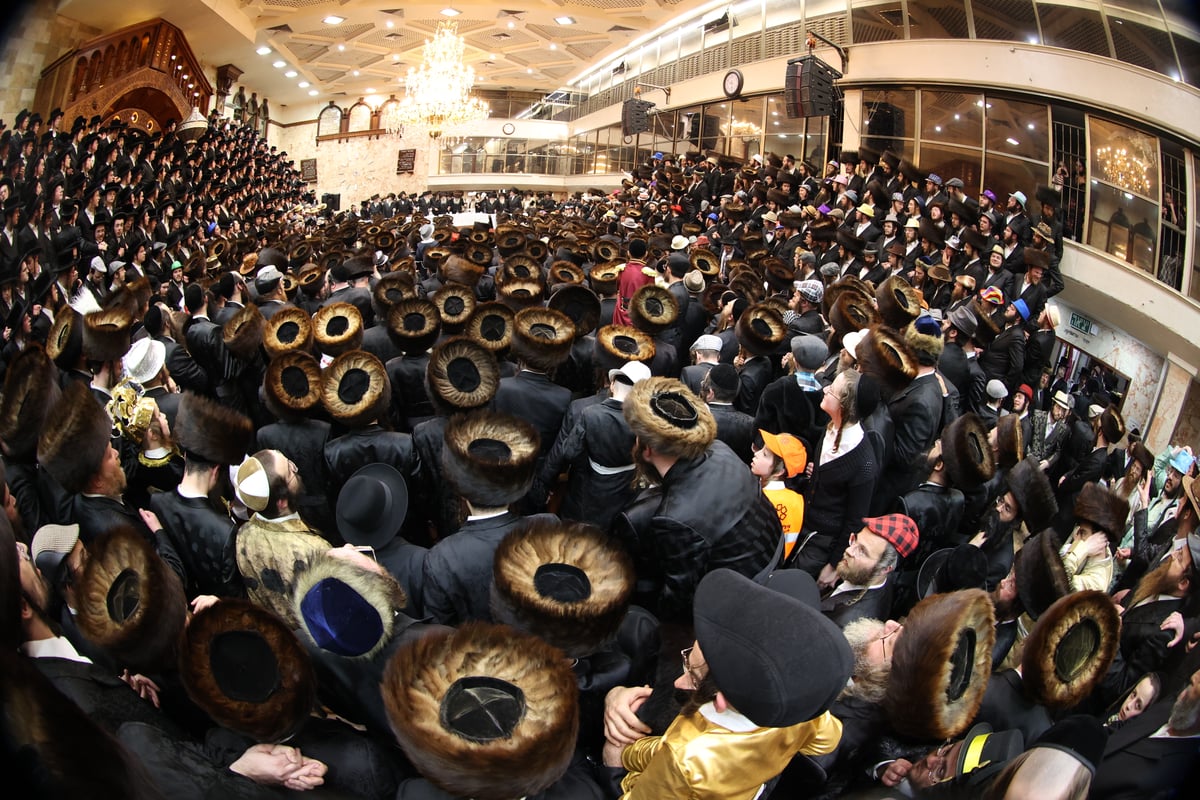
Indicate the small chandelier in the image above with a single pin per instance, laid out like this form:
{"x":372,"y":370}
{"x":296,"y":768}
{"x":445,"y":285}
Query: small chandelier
{"x":746,"y":131}
{"x":1125,"y":165}
{"x":438,"y":94}
{"x":390,"y":119}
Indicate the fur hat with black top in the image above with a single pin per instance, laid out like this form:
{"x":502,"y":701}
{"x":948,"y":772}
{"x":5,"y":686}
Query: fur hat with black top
{"x":952,"y":569}
{"x":414,"y":325}
{"x":853,"y":244}
{"x":850,"y":312}
{"x":492,"y":326}
{"x":988,"y":328}
{"x":542,"y":338}
{"x":564,"y":272}
{"x":31,"y":390}
{"x":489,"y":458}
{"x":455,"y":303}
{"x":924,"y":337}
{"x":347,"y":609}
{"x":247,"y":670}
{"x":760,"y":330}
{"x":212,"y":432}
{"x":568,"y":583}
{"x":292,"y":385}
{"x":1048,"y":195}
{"x":666,"y":416}
{"x":604,"y":251}
{"x":1036,"y":258}
{"x":1041,"y":577}
{"x":653,"y":309}
{"x":75,"y":438}
{"x":617,"y":344}
{"x":337,"y":328}
{"x":1010,"y":441}
{"x":580,"y":304}
{"x":884,"y":355}
{"x":968,"y":457}
{"x":462,"y":270}
{"x":1106,"y":510}
{"x":290,"y":329}
{"x":756,"y":640}
{"x":355,"y":389}
{"x":941,"y":665}
{"x":1070,"y":649}
{"x":974,"y":238}
{"x":1033,"y":494}
{"x":1112,"y":425}
{"x":897,"y":302}
{"x":243,"y":333}
{"x":106,"y":335}
{"x":391,"y":289}
{"x":131,"y":603}
{"x":64,"y":344}
{"x":484,"y":711}
{"x":706,"y":261}
{"x":462,"y":375}
{"x":517,"y":293}
{"x":603,"y":277}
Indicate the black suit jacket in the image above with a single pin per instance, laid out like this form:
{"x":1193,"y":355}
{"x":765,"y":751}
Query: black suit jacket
{"x":533,"y":397}
{"x":1136,"y":766}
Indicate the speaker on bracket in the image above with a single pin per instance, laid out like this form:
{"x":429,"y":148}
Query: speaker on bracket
{"x":809,"y":89}
{"x":634,"y":117}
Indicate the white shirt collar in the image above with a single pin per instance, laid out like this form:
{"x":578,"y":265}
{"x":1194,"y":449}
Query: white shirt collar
{"x":490,"y":515}
{"x":728,"y":719}
{"x":57,"y":647}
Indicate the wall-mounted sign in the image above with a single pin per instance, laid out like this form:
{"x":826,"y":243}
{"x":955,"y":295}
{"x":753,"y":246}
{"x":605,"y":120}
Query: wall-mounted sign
{"x":406,"y":161}
{"x":308,"y":170}
{"x":1082,"y":324}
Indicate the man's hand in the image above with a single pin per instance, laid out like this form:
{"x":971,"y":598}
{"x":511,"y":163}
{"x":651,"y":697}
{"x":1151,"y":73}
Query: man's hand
{"x":151,"y":520}
{"x":1173,"y":622}
{"x":146,"y":688}
{"x":895,"y":772}
{"x":611,"y":755}
{"x":621,"y":724}
{"x":1096,"y":545}
{"x":279,"y":765}
{"x":204,"y":601}
{"x":827,"y":578}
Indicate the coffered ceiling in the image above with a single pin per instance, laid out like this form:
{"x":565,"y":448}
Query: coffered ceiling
{"x":343,"y":49}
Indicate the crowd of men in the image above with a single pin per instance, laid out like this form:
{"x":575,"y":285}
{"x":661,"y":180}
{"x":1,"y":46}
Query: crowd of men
{"x":742,"y":480}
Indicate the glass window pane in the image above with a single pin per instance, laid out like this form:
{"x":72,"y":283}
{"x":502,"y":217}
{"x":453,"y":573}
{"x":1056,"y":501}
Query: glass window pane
{"x":1124,"y":157}
{"x":1143,"y":46}
{"x":889,"y":119}
{"x":1004,"y":175}
{"x":937,"y":19}
{"x":1073,"y":28}
{"x":954,"y":162}
{"x":1006,"y":20}
{"x":1189,"y":57}
{"x":815,"y":141}
{"x":330,"y":121}
{"x":1194,"y":288}
{"x":720,"y":112}
{"x":877,"y":23}
{"x":1123,"y":225}
{"x":744,"y":130}
{"x":360,"y":117}
{"x":1018,"y":129}
{"x":952,"y":117}
{"x":698,"y":129}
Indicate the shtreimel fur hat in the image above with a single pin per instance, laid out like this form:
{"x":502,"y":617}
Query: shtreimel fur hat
{"x":1105,"y":509}
{"x":292,"y":385}
{"x":243,"y":333}
{"x":355,"y":389}
{"x":1070,"y":649}
{"x":566,"y":582}
{"x":75,"y":438}
{"x":289,"y":329}
{"x":665,"y":415}
{"x":484,"y":711}
{"x":489,"y":458}
{"x":969,"y":459}
{"x":213,"y":432}
{"x":30,"y":390}
{"x":542,"y":337}
{"x":760,"y":330}
{"x":1034,"y":494}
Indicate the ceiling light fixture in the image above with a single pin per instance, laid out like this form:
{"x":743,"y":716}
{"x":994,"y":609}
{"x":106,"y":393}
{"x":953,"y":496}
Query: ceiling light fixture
{"x":262,"y":51}
{"x":304,"y":84}
{"x":565,"y":20}
{"x":279,"y":64}
{"x":312,"y":92}
{"x":450,"y":12}
{"x":438,"y":94}
{"x":390,"y":24}
{"x":334,"y":19}
{"x":355,"y":73}
{"x":341,"y":48}
{"x":291,"y":73}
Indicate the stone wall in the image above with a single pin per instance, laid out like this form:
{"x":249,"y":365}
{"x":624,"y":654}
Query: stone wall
{"x":34,"y":39}
{"x":1126,"y":355}
{"x":1187,"y":431}
{"x":354,"y":168}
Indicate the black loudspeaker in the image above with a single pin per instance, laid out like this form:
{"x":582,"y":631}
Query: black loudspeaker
{"x":808,"y":88}
{"x":634,"y":118}
{"x":333,"y":202}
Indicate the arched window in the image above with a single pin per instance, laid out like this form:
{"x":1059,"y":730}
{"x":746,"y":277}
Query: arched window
{"x":330,"y":120}
{"x":360,"y":117}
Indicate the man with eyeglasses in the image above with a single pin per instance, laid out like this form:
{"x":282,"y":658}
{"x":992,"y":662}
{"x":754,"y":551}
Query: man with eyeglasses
{"x":863,"y":587}
{"x":763,"y":670}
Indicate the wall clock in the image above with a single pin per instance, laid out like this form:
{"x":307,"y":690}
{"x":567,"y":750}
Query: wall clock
{"x":508,"y":128}
{"x":732,"y":84}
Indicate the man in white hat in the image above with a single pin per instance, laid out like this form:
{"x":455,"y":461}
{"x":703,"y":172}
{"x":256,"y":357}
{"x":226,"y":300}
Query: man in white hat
{"x":706,"y":353}
{"x":145,"y":364}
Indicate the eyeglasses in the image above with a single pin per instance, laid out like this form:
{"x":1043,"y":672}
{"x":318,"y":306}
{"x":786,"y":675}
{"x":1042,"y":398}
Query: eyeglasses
{"x":1002,"y":504}
{"x":688,"y":668}
{"x":941,"y":765}
{"x":857,"y":549}
{"x":883,"y":642}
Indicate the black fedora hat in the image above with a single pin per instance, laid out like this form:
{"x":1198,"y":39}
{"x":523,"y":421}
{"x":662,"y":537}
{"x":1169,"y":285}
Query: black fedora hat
{"x":372,"y":505}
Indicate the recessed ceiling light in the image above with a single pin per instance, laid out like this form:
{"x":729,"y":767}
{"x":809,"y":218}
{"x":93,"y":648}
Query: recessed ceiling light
{"x":263,"y":51}
{"x":356,"y":73}
{"x":304,"y":84}
{"x":511,"y":24}
{"x":1012,"y":141}
{"x":491,"y":56}
{"x":334,"y":19}
{"x":390,"y":24}
{"x":529,"y":70}
{"x":450,"y":12}
{"x":553,"y":46}
{"x":291,"y":73}
{"x":279,"y":64}
{"x":395,"y":56}
{"x":370,"y":90}
{"x":313,"y":92}
{"x":341,"y":48}
{"x":565,"y":20}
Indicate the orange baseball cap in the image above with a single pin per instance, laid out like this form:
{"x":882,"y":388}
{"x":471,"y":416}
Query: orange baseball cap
{"x":789,"y":448}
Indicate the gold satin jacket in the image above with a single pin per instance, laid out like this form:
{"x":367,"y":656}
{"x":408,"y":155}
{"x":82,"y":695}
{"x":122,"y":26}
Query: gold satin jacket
{"x":713,"y":755}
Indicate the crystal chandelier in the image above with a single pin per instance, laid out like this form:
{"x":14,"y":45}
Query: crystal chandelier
{"x":390,"y":119}
{"x":746,"y":131}
{"x":1123,"y":164}
{"x":438,"y":94}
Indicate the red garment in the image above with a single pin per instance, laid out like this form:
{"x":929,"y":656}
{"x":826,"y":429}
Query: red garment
{"x":632,"y":278}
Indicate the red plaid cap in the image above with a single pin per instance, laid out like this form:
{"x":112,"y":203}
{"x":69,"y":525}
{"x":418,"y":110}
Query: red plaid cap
{"x":899,"y":531}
